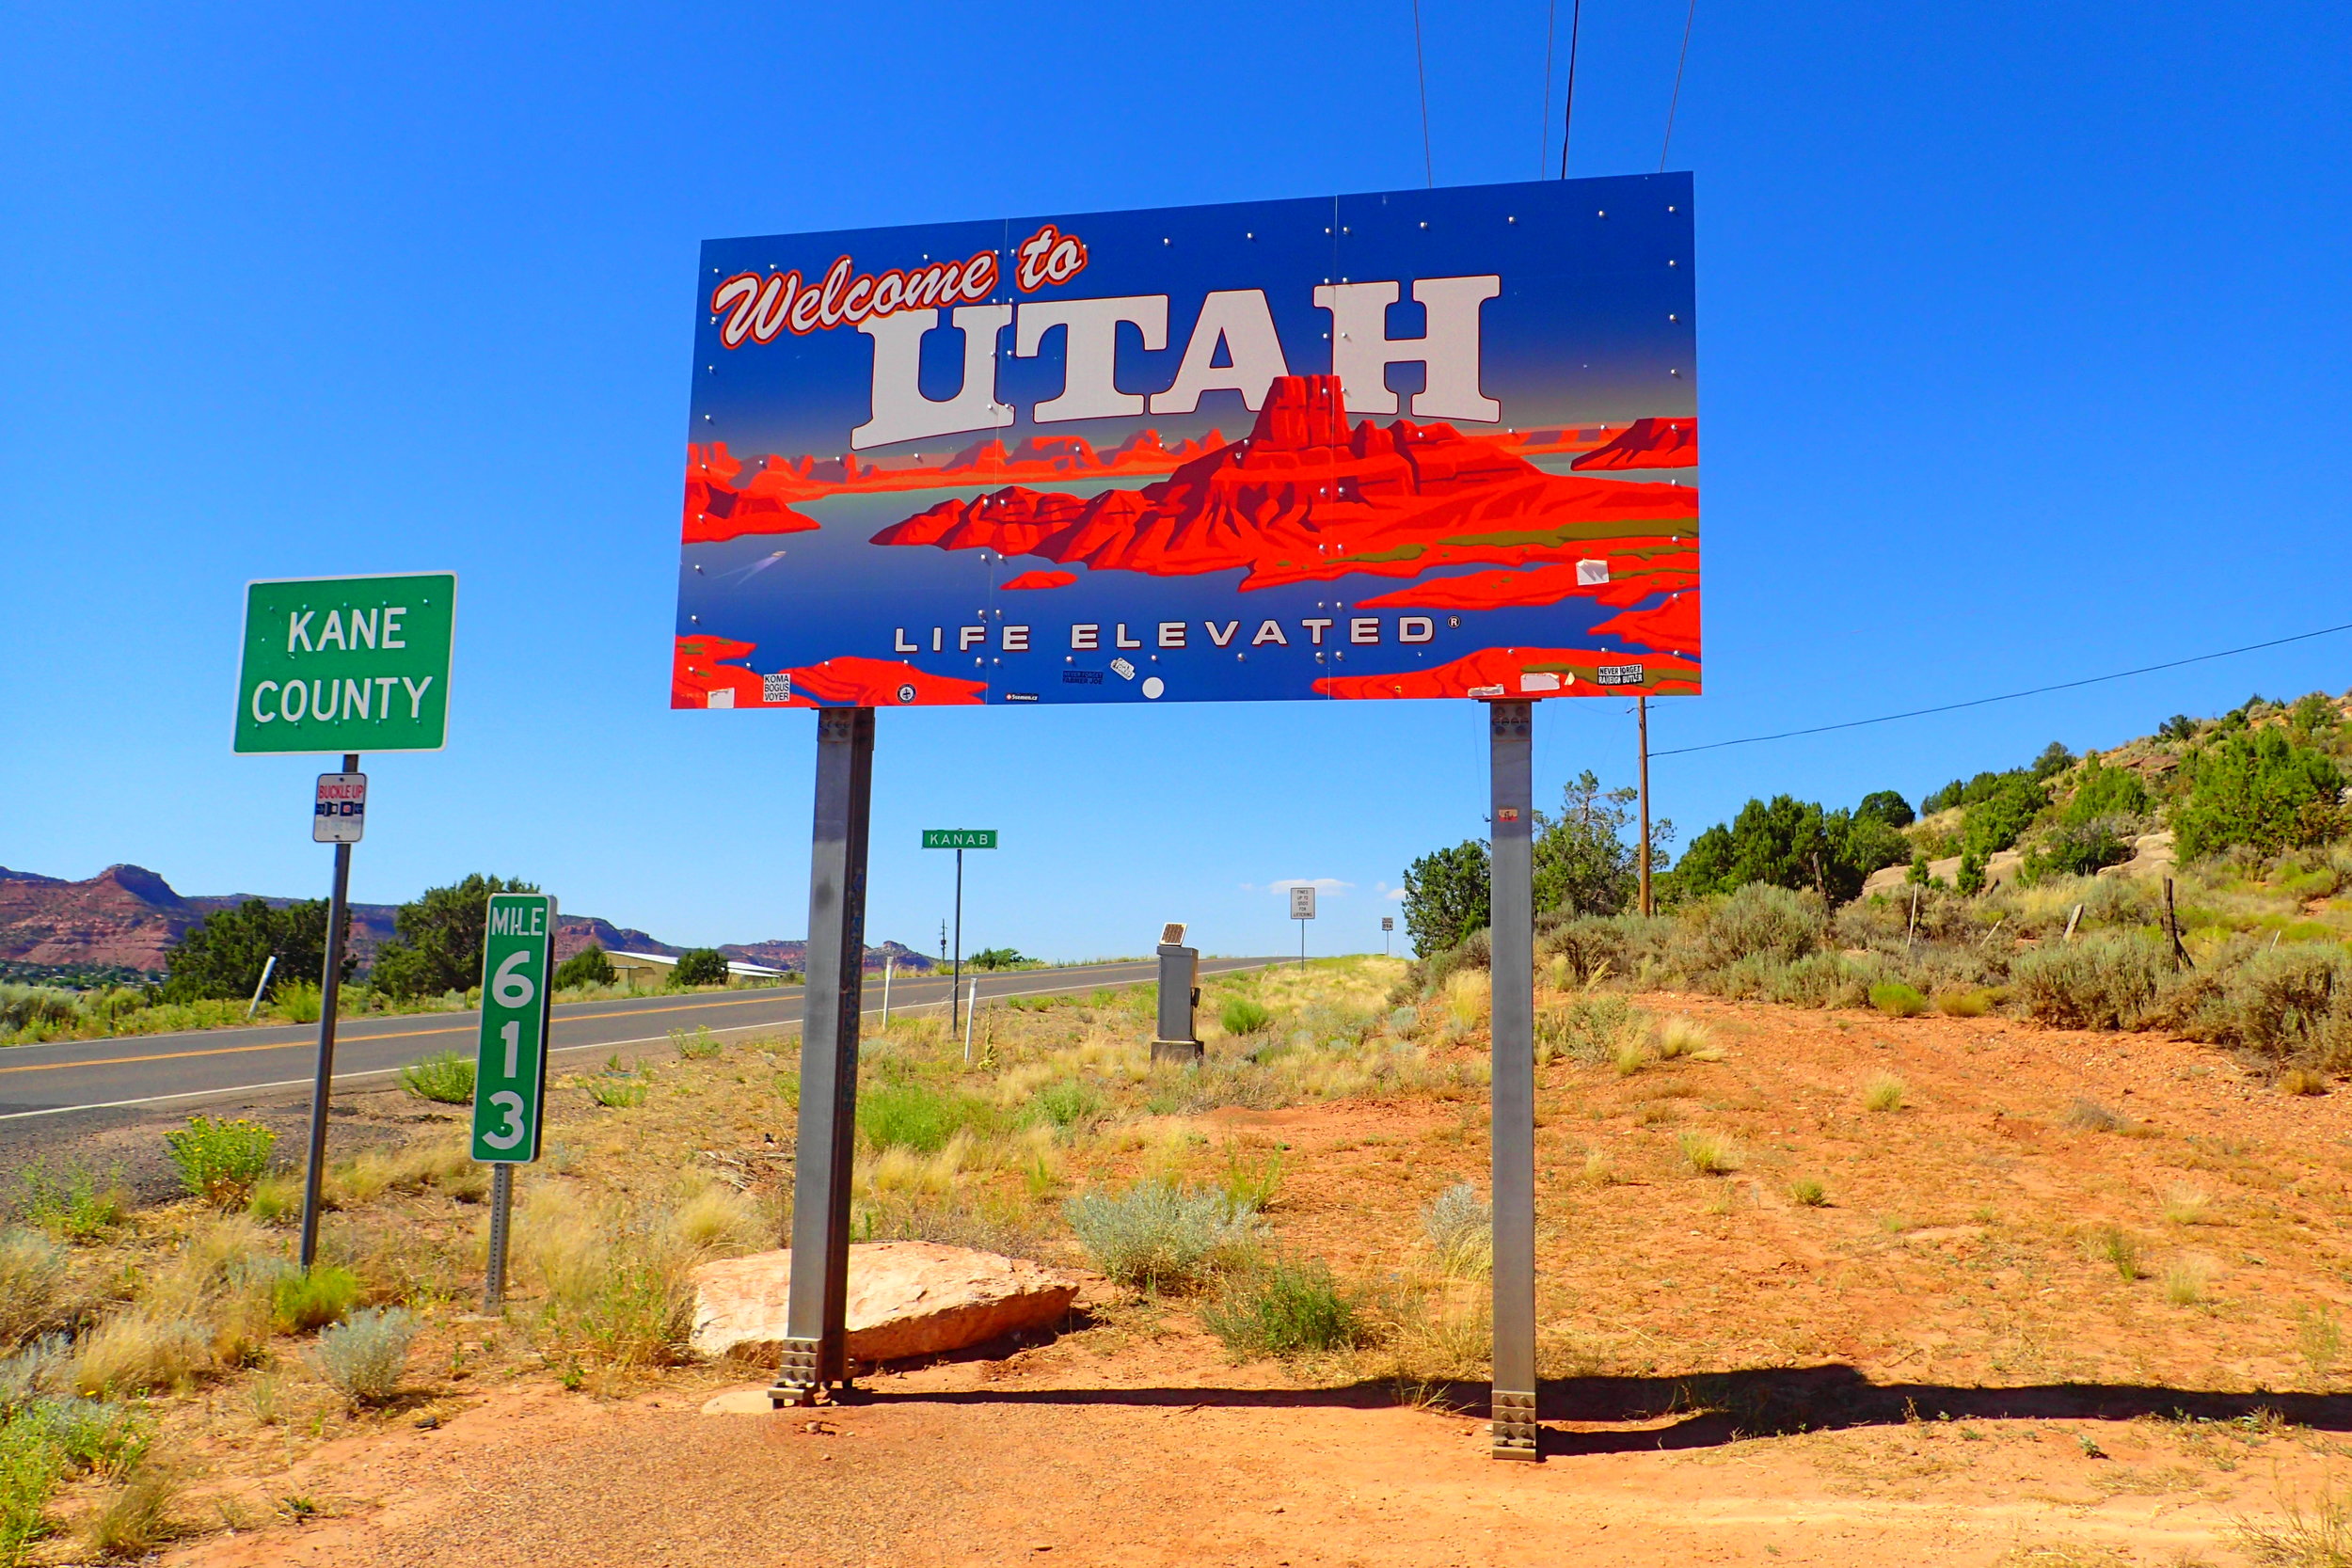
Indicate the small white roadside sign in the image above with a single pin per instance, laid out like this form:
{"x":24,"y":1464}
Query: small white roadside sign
{"x":339,"y":814}
{"x":1302,"y":903}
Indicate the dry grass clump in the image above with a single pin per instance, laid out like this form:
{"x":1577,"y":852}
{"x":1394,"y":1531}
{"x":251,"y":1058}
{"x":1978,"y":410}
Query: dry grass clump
{"x":2188,"y":1205}
{"x":1469,"y":995}
{"x":1683,"y":1039}
{"x":2184,"y":1283}
{"x":1809,"y":1191}
{"x":1885,"y":1092}
{"x":2116,"y":1248}
{"x":1965,"y":1004}
{"x":1461,"y":1226}
{"x":141,"y":1351}
{"x":137,"y":1519}
{"x":2302,"y":1080}
{"x":1708,"y":1154}
{"x":612,"y":1277}
{"x":35,"y":1289}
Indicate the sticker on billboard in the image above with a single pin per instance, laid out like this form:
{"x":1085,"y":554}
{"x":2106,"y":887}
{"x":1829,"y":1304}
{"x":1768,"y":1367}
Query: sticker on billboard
{"x":1438,"y":443}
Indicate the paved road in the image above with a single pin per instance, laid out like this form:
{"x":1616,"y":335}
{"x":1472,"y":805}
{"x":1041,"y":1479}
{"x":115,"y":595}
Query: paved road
{"x":64,"y":1077}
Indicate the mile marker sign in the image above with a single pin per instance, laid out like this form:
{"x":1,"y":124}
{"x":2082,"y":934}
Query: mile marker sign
{"x":346,"y":664}
{"x":511,"y":1070}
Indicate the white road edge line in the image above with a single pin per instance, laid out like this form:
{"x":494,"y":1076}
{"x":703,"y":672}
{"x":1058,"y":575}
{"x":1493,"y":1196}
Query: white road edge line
{"x":600,"y":1045}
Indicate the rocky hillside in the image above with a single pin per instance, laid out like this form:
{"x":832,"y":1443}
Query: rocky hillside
{"x":128,"y":917}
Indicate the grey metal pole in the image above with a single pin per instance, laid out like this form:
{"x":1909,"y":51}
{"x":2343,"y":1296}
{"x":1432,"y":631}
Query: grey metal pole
{"x":501,"y":1209}
{"x":956,"y":981}
{"x":331,"y":996}
{"x":816,"y":1339}
{"x":1512,"y":922}
{"x":1641,"y":707}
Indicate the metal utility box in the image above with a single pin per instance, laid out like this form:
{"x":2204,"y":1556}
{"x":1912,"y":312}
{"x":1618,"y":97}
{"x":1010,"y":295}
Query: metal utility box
{"x":1178,"y":1042}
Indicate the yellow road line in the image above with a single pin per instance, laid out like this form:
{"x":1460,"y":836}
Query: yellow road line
{"x":359,"y":1039}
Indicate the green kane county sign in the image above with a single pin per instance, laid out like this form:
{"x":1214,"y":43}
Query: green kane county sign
{"x":346,"y":664}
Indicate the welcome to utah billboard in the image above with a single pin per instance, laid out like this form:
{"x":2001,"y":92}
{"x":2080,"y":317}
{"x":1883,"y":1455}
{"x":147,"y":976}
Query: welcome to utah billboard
{"x":1436,"y":443}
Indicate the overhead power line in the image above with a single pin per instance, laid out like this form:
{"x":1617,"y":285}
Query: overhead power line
{"x":1567,"y":117}
{"x":1675,"y":102}
{"x":2008,"y":696}
{"x":1421,"y":69}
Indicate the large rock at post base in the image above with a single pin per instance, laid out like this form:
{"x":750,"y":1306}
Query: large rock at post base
{"x":906,"y":1298}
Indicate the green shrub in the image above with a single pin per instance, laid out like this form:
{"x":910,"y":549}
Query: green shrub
{"x":444,"y":1077}
{"x":916,"y":1116}
{"x":301,"y":1302}
{"x":225,"y":956}
{"x":1809,"y":1191}
{"x":364,"y":1357}
{"x":1460,"y":1224}
{"x":1240,"y":1015}
{"x":1896,"y":1000}
{"x":1068,"y":1102}
{"x":220,"y":1160}
{"x":994,"y":958}
{"x":618,"y":1091}
{"x":1157,"y":1236}
{"x":1283,"y":1309}
{"x":1447,"y":896}
{"x":31,"y":1007}
{"x":699,"y":1045}
{"x":700,"y":966}
{"x":72,"y":1206}
{"x":43,"y":1441}
{"x":2076,"y":848}
{"x":438,"y":940}
{"x":587,"y":967}
{"x":300,"y":1001}
{"x":2285,"y":1001}
{"x":2106,"y":980}
{"x":1765,"y":922}
{"x":2260,"y":789}
{"x":1251,"y":1185}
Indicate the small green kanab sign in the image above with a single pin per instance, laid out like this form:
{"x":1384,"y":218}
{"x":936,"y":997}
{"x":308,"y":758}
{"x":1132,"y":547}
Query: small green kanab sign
{"x":346,"y":664}
{"x":958,"y":838}
{"x":511,"y":1069}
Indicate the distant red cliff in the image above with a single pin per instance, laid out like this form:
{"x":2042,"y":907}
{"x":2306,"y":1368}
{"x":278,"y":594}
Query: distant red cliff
{"x":1648,"y":444}
{"x":1306,"y":498}
{"x":718,"y":508}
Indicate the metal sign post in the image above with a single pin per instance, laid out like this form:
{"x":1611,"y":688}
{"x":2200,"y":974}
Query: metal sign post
{"x":958,"y":839}
{"x":341,"y":827}
{"x":511,"y":1056}
{"x":348,"y":665}
{"x":816,"y":1344}
{"x":1302,"y":911}
{"x":1513,"y":920}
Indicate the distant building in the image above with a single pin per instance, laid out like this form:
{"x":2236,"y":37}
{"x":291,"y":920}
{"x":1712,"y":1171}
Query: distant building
{"x":652,"y":971}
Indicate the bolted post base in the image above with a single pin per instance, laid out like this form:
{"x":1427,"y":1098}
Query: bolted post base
{"x":1178,"y":1052}
{"x":1515,"y":1429}
{"x":797,"y":1379}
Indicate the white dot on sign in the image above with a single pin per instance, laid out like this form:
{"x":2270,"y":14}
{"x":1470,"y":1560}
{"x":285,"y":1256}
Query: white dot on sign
{"x":1154,"y":686}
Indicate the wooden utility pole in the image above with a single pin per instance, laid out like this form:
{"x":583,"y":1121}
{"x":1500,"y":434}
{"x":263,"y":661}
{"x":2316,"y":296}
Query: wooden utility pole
{"x":1641,"y":708}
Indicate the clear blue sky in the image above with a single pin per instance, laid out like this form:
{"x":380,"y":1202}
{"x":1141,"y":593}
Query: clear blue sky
{"x":2023,"y":331}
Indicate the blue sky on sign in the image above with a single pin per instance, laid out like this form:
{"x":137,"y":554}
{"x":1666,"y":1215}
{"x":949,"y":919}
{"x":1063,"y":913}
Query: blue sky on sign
{"x":2022,"y":342}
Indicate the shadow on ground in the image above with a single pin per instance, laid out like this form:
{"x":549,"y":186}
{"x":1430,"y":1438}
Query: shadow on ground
{"x":1716,"y":1408}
